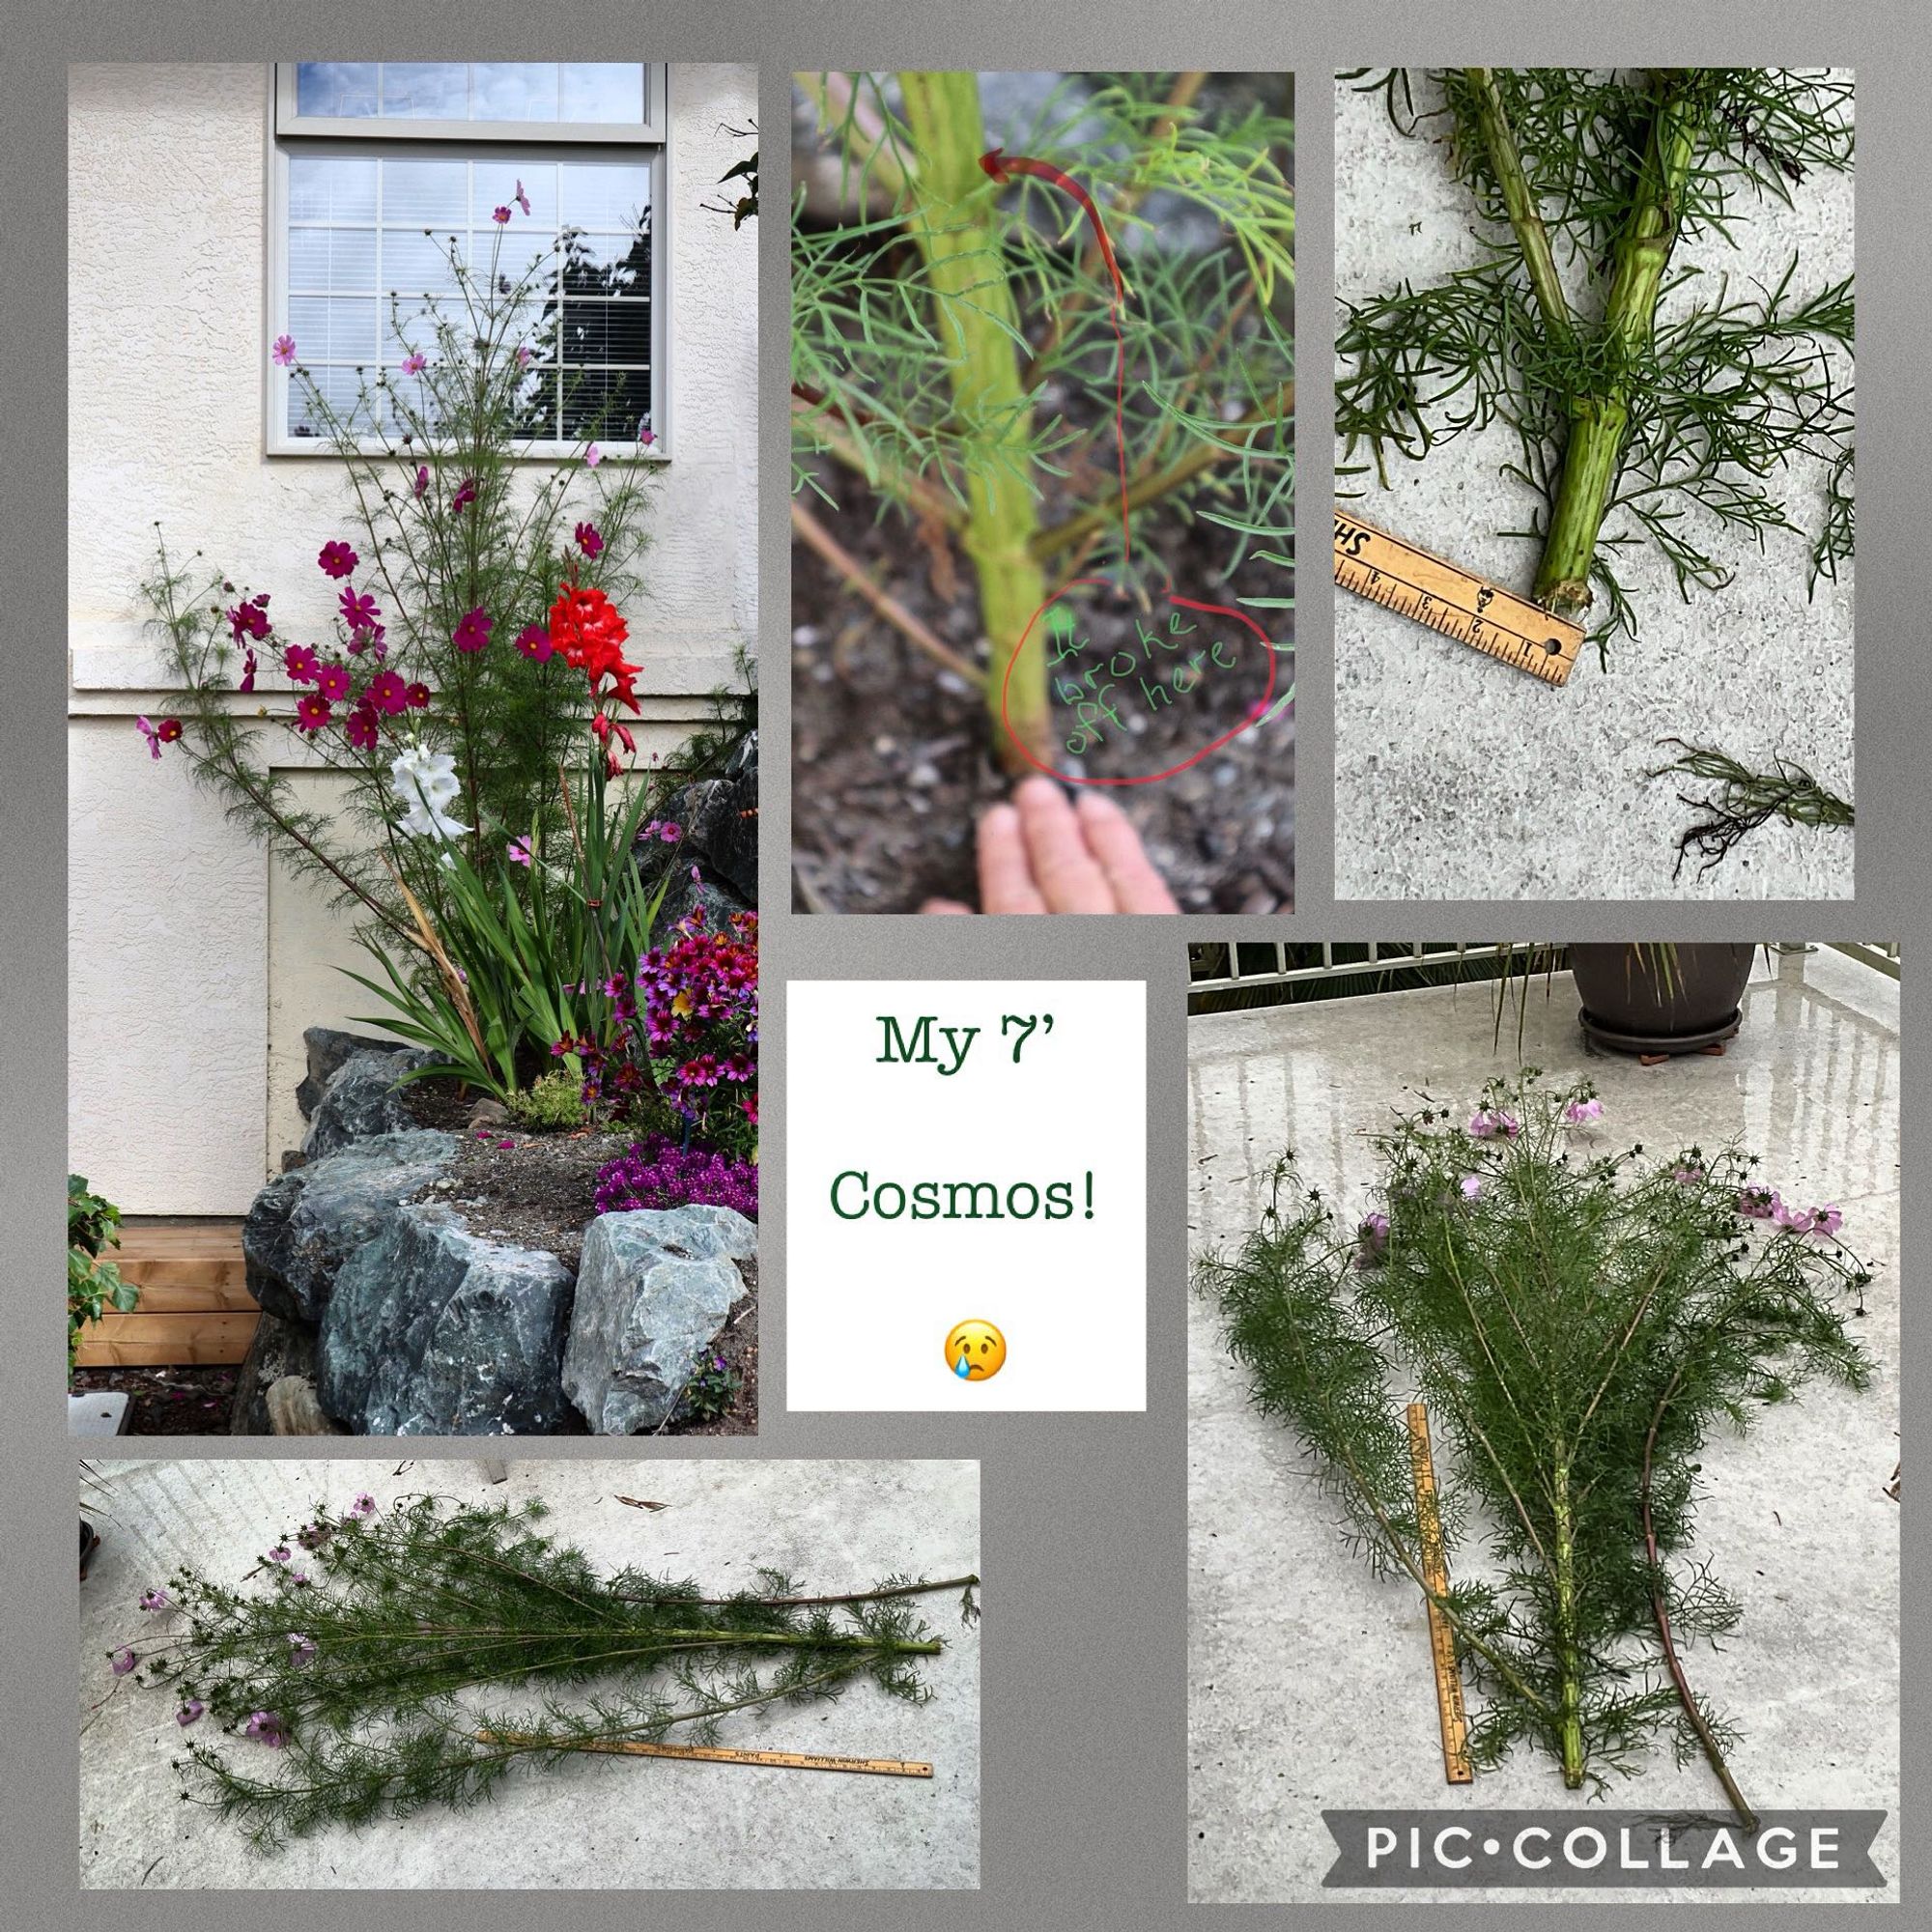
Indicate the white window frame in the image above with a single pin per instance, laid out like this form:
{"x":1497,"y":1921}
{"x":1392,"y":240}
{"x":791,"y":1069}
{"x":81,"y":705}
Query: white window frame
{"x":290,"y":132}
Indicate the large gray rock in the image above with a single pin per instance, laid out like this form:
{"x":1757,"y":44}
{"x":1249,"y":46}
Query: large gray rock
{"x":280,"y":1348}
{"x":304,"y":1225}
{"x":326,"y":1048}
{"x":361,"y":1099}
{"x":653,"y":1290}
{"x":432,"y":1331}
{"x":720,"y":821}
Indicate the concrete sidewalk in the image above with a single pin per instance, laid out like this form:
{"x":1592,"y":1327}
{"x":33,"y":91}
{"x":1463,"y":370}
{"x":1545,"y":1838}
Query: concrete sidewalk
{"x":658,"y":1826}
{"x":1309,"y":1679}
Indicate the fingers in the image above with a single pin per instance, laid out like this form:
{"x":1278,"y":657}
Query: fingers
{"x":1113,"y":841}
{"x":1066,"y":873}
{"x":1005,"y":874}
{"x":945,"y":906}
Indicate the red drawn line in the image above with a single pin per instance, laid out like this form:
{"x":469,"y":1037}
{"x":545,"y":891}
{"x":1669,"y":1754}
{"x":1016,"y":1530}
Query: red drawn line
{"x":1003,"y":168}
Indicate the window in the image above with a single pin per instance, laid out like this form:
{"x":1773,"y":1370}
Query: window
{"x":383,"y":169}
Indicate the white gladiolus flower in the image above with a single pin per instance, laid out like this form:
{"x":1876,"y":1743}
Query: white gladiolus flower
{"x":426,"y":782}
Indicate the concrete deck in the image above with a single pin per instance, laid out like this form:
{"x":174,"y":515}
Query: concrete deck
{"x":1309,"y":1679}
{"x":656,"y":1826}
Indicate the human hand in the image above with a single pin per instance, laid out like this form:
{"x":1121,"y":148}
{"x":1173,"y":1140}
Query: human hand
{"x":1042,"y":854}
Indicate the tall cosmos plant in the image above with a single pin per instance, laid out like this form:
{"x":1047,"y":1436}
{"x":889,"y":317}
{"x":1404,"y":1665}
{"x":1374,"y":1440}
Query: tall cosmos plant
{"x":476,"y":649}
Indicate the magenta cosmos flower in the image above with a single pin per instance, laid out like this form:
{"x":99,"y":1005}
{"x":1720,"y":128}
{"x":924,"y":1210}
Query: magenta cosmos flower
{"x":589,"y":540}
{"x":190,"y":1713}
{"x":465,"y":494}
{"x":157,"y":736}
{"x":282,"y":351}
{"x":311,"y":715}
{"x":331,"y":681}
{"x":300,"y":663}
{"x":472,"y":629}
{"x":358,"y":608}
{"x":499,"y":215}
{"x":337,"y":559}
{"x":415,"y":362}
{"x":422,"y":478}
{"x":416,"y":697}
{"x":363,"y":728}
{"x":533,"y":641}
{"x":387,"y":693}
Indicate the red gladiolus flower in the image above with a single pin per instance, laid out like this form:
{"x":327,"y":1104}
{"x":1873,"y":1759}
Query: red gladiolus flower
{"x":363,"y":728}
{"x":533,"y":641}
{"x":417,"y":696}
{"x":312,"y":713}
{"x":472,"y":629}
{"x":337,"y":559}
{"x":588,"y":541}
{"x":300,"y":663}
{"x":387,"y":693}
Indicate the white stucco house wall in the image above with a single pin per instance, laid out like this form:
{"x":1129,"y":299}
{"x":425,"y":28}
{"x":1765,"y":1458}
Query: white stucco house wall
{"x":195,"y":962}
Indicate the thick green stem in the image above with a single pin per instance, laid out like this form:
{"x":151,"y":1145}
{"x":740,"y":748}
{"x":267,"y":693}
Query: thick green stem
{"x":950,"y":218}
{"x":1598,"y":419}
{"x":1570,"y":1717}
{"x":1532,"y":238}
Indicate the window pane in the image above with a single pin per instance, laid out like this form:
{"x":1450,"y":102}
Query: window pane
{"x":425,"y":90}
{"x":420,"y":264}
{"x":607,"y":265}
{"x":331,"y":260}
{"x":613,"y":405}
{"x":604,"y":197}
{"x":603,"y":91}
{"x":426,"y":194}
{"x":514,"y":90}
{"x":342,"y":390}
{"x":331,"y":188}
{"x":331,"y":329}
{"x":536,"y":406}
{"x":407,"y":327}
{"x":340,"y":90}
{"x":604,"y":332}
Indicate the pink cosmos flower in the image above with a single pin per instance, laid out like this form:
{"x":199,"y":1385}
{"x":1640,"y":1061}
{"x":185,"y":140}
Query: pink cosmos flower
{"x":1493,"y":1121}
{"x":647,"y":437}
{"x":331,"y":681}
{"x":282,"y":351}
{"x":122,"y":1660}
{"x":1578,"y":1112}
{"x":415,"y":362}
{"x":472,"y":629}
{"x":521,"y":200}
{"x":1784,"y":1216}
{"x":190,"y":1713}
{"x":592,"y":457}
{"x":1472,"y":1187}
{"x":588,"y":539}
{"x":518,"y":851}
{"x":1827,"y":1219}
{"x":311,"y":715}
{"x":387,"y":693}
{"x":157,"y":736}
{"x":337,"y":559}
{"x":499,"y":215}
{"x":266,"y":1728}
{"x":1757,"y":1203}
{"x":533,"y":641}
{"x":363,"y":728}
{"x":301,"y":1650}
{"x":155,"y":1600}
{"x":300,"y":663}
{"x":671,"y":832}
{"x":416,"y":697}
{"x":524,"y":356}
{"x":364,"y":1504}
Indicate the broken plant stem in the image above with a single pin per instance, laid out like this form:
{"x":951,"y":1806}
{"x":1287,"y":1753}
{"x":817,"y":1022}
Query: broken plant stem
{"x":1743,"y":800}
{"x":1600,"y":416}
{"x":1526,"y":223}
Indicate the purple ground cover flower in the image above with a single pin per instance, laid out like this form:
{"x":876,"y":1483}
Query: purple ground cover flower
{"x":658,"y":1173}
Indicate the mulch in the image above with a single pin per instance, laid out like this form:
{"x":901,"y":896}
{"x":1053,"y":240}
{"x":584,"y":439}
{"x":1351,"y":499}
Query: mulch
{"x":892,"y":756}
{"x":166,"y":1400}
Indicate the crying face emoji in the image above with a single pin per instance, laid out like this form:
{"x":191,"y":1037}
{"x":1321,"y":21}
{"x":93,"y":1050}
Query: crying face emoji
{"x":975,"y":1351}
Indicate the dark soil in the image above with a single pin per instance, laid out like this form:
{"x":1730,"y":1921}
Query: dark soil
{"x":892,"y":756}
{"x":167,"y":1400}
{"x":540,"y":1191}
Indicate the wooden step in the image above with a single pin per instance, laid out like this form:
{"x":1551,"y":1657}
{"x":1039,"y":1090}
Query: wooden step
{"x":195,"y":1307}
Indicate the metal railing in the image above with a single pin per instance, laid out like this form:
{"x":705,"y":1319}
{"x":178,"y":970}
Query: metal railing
{"x":1380,"y":959}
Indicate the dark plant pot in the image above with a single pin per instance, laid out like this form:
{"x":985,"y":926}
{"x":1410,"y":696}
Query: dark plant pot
{"x":1634,"y":1004}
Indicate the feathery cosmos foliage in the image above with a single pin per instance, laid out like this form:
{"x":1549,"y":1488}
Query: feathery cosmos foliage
{"x":365,"y":1678}
{"x":939,"y":333}
{"x":1577,"y":1324}
{"x":1650,"y":406}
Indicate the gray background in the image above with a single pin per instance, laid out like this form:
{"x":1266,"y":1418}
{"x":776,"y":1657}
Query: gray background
{"x":1084,"y":1535}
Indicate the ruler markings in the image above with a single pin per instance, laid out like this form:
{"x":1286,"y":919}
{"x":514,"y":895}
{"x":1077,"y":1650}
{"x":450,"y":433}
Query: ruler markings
{"x":1450,"y":1710}
{"x":876,"y":1767}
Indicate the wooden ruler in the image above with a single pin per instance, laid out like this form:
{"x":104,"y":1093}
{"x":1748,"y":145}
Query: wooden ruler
{"x":1449,"y":1706}
{"x":877,"y":1766}
{"x":1444,"y":596}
